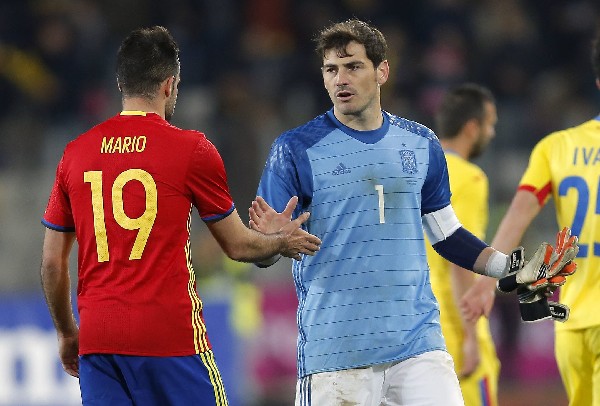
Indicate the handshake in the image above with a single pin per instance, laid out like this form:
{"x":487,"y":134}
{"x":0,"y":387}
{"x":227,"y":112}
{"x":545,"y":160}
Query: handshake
{"x":538,"y":278}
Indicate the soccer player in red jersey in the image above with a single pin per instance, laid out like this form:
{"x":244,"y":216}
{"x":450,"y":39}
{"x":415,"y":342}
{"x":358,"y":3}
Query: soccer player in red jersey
{"x":125,"y":190}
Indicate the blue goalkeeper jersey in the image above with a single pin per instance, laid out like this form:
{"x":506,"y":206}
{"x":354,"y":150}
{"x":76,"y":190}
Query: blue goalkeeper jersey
{"x":365,"y":297}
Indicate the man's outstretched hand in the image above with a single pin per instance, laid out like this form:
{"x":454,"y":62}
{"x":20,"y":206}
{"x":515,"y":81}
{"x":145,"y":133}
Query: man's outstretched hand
{"x":265,"y":219}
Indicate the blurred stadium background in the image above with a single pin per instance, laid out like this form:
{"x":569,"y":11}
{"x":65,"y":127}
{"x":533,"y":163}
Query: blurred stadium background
{"x":248,"y":73}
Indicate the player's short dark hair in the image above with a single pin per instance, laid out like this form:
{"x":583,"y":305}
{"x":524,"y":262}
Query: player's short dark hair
{"x":459,"y":105}
{"x":339,"y":35}
{"x":596,"y":54}
{"x":146,"y":58}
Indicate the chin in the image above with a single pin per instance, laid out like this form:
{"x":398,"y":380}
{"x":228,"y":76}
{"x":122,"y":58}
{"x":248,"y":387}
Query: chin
{"x":347,"y":110}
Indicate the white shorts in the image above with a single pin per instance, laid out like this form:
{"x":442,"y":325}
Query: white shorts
{"x":425,"y":380}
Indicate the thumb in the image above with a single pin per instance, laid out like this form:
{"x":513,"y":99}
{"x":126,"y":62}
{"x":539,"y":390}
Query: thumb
{"x":301,"y":219}
{"x":290,"y":206}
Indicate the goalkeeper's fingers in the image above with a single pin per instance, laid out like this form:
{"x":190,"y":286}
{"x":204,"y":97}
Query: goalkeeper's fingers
{"x":551,"y":283}
{"x":555,"y":281}
{"x":566,"y":254}
{"x":568,"y":270}
{"x":561,"y":238}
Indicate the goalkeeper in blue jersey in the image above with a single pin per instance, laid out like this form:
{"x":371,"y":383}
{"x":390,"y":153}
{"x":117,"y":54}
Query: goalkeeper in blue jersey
{"x":368,"y":322}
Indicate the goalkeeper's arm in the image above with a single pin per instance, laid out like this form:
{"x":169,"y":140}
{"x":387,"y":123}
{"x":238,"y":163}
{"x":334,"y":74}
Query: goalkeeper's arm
{"x":459,"y":246}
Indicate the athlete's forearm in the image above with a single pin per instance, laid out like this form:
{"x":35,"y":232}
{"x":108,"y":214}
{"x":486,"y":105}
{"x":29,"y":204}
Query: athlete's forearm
{"x":523,"y":209}
{"x":57,"y":290}
{"x":243,"y":244}
{"x":56,"y":282}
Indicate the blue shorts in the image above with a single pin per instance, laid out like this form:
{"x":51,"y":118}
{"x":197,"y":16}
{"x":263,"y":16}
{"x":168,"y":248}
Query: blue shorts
{"x":115,"y":380}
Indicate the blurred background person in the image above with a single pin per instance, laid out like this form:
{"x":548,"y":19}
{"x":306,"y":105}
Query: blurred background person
{"x":565,"y":166}
{"x":465,"y":124}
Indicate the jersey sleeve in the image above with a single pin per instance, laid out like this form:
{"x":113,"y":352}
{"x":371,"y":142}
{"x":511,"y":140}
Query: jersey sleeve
{"x":58,"y":215}
{"x":436,"y":188}
{"x":280,"y":179}
{"x":537,"y":177}
{"x":207,"y":181}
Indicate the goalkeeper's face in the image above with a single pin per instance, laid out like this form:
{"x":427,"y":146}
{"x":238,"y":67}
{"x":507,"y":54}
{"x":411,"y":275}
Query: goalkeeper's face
{"x":352,"y":82}
{"x":487,"y":130}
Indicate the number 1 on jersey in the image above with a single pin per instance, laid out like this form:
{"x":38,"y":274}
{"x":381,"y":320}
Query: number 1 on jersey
{"x":379,"y":189}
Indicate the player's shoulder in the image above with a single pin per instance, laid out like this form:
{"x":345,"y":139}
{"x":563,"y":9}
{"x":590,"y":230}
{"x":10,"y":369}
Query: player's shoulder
{"x":559,"y":137}
{"x":464,"y":169}
{"x":116,"y":132}
{"x":307,"y":134}
{"x":411,"y":126}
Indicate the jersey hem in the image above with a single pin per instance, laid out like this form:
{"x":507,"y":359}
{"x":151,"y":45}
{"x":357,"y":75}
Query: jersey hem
{"x":393,"y":359}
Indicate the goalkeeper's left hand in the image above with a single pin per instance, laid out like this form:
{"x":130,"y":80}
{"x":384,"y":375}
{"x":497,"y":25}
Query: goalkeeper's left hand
{"x":553,"y":266}
{"x":534,"y":306}
{"x":547,"y":266}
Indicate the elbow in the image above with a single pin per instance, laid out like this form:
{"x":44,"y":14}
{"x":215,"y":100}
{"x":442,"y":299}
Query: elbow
{"x":236,"y":252}
{"x":53,"y":267}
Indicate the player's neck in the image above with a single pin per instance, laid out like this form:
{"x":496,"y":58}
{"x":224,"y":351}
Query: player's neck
{"x":456,"y":146}
{"x":143,"y":104}
{"x":365,"y":121}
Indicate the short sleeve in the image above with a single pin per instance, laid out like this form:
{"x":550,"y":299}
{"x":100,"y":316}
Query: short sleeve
{"x":537,"y":178}
{"x":281,"y":176}
{"x":435,"y":193}
{"x":58,"y":215}
{"x":207,"y":182}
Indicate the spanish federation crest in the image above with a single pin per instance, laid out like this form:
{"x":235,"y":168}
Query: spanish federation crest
{"x":409,"y":161}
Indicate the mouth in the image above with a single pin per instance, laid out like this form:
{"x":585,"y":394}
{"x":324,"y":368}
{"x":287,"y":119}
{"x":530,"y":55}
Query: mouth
{"x":344,"y":95}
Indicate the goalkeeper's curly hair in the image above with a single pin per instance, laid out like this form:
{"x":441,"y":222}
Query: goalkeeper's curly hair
{"x":337,"y":36}
{"x":596,"y":54}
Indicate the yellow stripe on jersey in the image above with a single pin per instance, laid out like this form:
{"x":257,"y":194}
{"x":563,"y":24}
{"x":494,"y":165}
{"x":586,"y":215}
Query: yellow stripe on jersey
{"x":208,"y":359}
{"x":133,"y":113}
{"x":200,"y":340}
{"x":569,"y":162}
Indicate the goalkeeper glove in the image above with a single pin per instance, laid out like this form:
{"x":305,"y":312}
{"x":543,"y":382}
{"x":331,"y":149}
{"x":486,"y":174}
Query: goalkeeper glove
{"x":552,"y":266}
{"x":534,"y":306}
{"x":545,"y":264}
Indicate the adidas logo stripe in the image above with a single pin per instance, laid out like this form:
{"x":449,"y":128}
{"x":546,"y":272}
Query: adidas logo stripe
{"x":340,"y":169}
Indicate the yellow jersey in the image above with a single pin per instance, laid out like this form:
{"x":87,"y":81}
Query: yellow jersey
{"x":469,"y":187}
{"x":565,"y":165}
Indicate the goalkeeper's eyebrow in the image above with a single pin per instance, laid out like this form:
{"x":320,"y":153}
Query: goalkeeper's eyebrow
{"x":348,"y":65}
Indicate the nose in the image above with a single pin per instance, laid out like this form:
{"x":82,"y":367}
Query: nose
{"x":341,"y":78}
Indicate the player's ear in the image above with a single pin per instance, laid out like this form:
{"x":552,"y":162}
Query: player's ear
{"x":168,"y":86}
{"x":383,"y":72}
{"x":471,"y":127}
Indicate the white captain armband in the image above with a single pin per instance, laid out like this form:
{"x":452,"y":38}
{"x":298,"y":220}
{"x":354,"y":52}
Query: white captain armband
{"x":440,"y":224}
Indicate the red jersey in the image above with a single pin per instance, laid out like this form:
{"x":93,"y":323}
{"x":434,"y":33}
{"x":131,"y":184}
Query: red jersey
{"x":127,"y":188}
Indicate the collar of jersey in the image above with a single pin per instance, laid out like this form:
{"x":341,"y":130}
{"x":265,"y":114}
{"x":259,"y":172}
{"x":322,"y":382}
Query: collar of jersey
{"x":133,"y":113}
{"x":367,"y":137}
